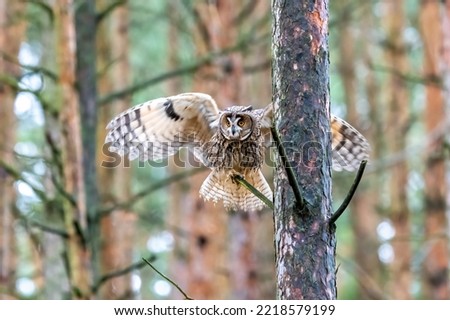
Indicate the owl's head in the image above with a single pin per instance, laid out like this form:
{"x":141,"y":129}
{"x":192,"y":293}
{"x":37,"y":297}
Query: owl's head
{"x":237,"y":123}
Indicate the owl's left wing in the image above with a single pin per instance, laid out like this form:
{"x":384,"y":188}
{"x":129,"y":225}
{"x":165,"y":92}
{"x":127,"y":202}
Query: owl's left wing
{"x":158,"y":128}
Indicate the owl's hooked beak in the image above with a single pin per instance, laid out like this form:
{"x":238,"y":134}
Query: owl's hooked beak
{"x":234,"y":132}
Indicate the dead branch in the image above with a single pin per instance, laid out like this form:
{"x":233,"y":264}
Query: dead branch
{"x":152,"y":188}
{"x":186,"y":297}
{"x":350,"y":193}
{"x":114,"y":274}
{"x":240,"y":179}
{"x":289,"y":172}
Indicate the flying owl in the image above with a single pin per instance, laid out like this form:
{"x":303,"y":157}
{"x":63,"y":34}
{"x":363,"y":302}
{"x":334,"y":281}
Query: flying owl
{"x":228,"y":142}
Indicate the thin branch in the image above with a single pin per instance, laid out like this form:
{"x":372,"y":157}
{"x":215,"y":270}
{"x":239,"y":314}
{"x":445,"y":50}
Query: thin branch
{"x":40,"y":70}
{"x":114,"y":274}
{"x":111,"y":7}
{"x":365,"y":280}
{"x":289,"y":171}
{"x":246,"y":11}
{"x":427,"y":81}
{"x":45,"y":7}
{"x":152,"y":188}
{"x":152,"y":81}
{"x":45,"y":228}
{"x":16,"y":175}
{"x":261,"y":66}
{"x":167,"y":279}
{"x":350,"y":193}
{"x":240,"y":179}
{"x":190,"y":68}
{"x":31,"y":68}
{"x":10,"y":81}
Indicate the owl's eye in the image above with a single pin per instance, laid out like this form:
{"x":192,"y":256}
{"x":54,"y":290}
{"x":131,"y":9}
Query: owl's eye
{"x":241,"y":123}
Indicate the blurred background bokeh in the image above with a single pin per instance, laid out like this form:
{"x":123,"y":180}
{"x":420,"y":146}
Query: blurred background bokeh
{"x":76,"y":221}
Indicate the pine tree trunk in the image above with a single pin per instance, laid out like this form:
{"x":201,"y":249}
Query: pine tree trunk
{"x":86,"y":31}
{"x":434,"y":22}
{"x":12,"y":28}
{"x":207,"y":223}
{"x":117,"y":228}
{"x":75,"y":218}
{"x":56,"y":278}
{"x":242,"y":268}
{"x":304,"y":243}
{"x":257,"y":91}
{"x":245,"y":273}
{"x":178,"y":195}
{"x":398,"y":124}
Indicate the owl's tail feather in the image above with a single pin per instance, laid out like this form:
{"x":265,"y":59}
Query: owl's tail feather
{"x":220,"y":186}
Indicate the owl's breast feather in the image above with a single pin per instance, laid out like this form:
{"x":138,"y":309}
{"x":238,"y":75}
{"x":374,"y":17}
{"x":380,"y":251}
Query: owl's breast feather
{"x":238,"y":155}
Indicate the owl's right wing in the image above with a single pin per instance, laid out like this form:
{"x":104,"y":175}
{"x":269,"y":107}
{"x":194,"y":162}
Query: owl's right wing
{"x":158,"y":128}
{"x":349,"y":146}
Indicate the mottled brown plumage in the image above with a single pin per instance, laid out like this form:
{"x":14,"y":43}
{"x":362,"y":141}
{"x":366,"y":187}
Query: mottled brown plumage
{"x":229,"y":142}
{"x":241,"y":154}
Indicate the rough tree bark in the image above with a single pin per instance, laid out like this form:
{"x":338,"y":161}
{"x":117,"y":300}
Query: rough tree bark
{"x":74,"y":203}
{"x":434,"y":22}
{"x":397,"y":128}
{"x":12,"y":27}
{"x":304,"y":242}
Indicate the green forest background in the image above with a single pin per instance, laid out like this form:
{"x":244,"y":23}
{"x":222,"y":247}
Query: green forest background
{"x":67,"y":67}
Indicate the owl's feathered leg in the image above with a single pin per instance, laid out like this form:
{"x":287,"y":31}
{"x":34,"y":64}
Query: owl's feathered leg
{"x":219,"y":186}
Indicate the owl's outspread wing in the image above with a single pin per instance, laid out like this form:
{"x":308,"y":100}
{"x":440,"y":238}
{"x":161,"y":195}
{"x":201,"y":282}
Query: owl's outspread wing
{"x":158,"y":128}
{"x":348,"y":145}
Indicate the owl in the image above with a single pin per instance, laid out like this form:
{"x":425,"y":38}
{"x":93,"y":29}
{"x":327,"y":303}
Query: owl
{"x":229,"y":142}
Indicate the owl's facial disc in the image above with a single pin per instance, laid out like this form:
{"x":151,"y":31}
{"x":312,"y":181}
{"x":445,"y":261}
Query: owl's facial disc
{"x":236,"y":127}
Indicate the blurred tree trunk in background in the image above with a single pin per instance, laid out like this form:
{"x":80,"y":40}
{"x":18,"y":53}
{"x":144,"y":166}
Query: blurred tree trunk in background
{"x":367,"y":200}
{"x":74,"y":204}
{"x":305,"y":243}
{"x":245,"y":276}
{"x":12,"y":29}
{"x":435,"y":27}
{"x":208,"y":274}
{"x":242,"y":268}
{"x":54,"y":253}
{"x":258,"y":91}
{"x":86,"y":81}
{"x":364,"y":217}
{"x":250,"y":271}
{"x":178,"y":191}
{"x":118,"y":226}
{"x":398,"y":123}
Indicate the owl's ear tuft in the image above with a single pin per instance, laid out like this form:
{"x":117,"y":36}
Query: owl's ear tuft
{"x":267,"y":118}
{"x":249,"y":108}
